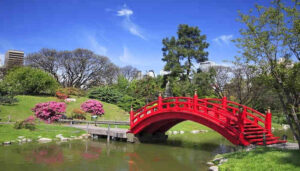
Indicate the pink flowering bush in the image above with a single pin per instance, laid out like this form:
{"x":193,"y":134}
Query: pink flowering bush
{"x":92,"y":106}
{"x":49,"y":110}
{"x":28,"y":123}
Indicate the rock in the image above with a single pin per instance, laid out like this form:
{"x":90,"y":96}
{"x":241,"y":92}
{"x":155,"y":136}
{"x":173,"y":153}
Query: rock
{"x":213,"y":168}
{"x":20,"y":137}
{"x":175,"y":132}
{"x":24,"y":140}
{"x":70,"y":100}
{"x":181,"y":132}
{"x":86,"y":135}
{"x":218,"y":159}
{"x":285,"y":127}
{"x":59,"y":136}
{"x":223,"y":161}
{"x":39,"y":136}
{"x":29,"y":140}
{"x":64,"y":139}
{"x":44,"y":140}
{"x":6,"y":143}
{"x":195,"y":131}
{"x":210,"y":163}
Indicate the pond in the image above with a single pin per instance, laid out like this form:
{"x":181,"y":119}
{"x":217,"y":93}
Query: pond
{"x":119,"y":156}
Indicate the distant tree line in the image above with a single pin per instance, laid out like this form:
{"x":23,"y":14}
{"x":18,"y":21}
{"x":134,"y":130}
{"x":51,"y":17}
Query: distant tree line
{"x":80,"y":68}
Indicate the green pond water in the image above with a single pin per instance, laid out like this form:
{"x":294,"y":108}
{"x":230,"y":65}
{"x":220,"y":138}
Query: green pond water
{"x":98,"y":155}
{"x":174,"y":154}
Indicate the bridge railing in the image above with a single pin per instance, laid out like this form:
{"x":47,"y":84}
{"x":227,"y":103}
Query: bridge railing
{"x":251,"y":115}
{"x":229,"y":110}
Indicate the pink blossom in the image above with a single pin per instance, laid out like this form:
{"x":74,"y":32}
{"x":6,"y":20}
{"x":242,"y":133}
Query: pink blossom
{"x":52,"y":110}
{"x":92,"y":106}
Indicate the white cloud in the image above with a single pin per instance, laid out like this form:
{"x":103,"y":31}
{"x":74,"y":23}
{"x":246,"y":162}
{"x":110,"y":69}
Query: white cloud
{"x":128,"y":24}
{"x":95,"y":45}
{"x":223,"y":39}
{"x":126,"y":56}
{"x":125,"y":12}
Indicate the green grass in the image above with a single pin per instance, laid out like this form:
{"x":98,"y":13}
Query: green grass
{"x":22,"y":109}
{"x":9,"y":133}
{"x":262,"y":159}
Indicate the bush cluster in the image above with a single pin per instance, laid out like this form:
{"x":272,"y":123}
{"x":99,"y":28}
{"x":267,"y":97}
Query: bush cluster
{"x":93,"y":106}
{"x":26,"y":80}
{"x":61,"y":96}
{"x":78,"y":114}
{"x":106,"y":94}
{"x":71,"y":91}
{"x":49,"y":110}
{"x":28,"y":123}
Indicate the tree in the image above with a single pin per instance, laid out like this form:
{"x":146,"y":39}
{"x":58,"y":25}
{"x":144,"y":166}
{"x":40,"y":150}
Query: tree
{"x":129,"y":72}
{"x":80,"y":68}
{"x":221,"y":78}
{"x":26,"y":80}
{"x":180,"y":54}
{"x":46,"y":59}
{"x":270,"y":34}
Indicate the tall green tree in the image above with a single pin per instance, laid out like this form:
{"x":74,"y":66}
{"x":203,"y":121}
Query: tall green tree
{"x":270,"y":40}
{"x":182,"y":52}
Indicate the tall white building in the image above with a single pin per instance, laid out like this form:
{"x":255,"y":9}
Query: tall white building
{"x":13,"y":58}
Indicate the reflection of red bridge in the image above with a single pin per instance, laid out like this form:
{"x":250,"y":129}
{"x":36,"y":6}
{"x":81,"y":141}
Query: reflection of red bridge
{"x":240,"y":124}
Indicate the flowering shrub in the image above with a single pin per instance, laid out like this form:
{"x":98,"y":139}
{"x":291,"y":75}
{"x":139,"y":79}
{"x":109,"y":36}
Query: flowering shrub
{"x":28,"y":123}
{"x":78,"y":114}
{"x":60,"y":95}
{"x":49,"y":110}
{"x":92,"y":106}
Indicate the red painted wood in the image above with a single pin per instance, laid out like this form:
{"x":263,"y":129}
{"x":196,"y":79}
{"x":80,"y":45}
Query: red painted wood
{"x":240,"y":124}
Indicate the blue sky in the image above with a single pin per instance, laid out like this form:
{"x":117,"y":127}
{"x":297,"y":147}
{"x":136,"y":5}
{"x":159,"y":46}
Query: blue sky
{"x":129,"y":32}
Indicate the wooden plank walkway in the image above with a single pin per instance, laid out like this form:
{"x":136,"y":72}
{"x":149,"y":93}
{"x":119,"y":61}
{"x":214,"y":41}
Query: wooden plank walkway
{"x":94,"y":130}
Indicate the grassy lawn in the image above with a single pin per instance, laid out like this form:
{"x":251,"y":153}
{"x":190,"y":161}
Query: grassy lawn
{"x":8,"y":133}
{"x":262,"y":159}
{"x":22,"y":109}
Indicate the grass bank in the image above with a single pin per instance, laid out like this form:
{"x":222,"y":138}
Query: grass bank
{"x":262,"y":159}
{"x":22,"y":109}
{"x":9,"y":133}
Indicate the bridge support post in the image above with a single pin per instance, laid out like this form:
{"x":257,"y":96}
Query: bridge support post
{"x":195,"y":100}
{"x":159,"y":102}
{"x":131,"y":116}
{"x":241,"y":123}
{"x":224,"y":102}
{"x":268,"y":120}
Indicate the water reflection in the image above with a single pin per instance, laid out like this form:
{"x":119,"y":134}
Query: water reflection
{"x":50,"y":155}
{"x":98,"y":155}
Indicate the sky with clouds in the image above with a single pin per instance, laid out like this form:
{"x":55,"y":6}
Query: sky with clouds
{"x":129,"y":32}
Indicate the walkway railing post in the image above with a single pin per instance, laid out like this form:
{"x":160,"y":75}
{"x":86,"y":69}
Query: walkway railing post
{"x":159,"y":102}
{"x":268,"y":120}
{"x":224,"y":102}
{"x":195,"y":100}
{"x":131,"y":116}
{"x":241,"y":119}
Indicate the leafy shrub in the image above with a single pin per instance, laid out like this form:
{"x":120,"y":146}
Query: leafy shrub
{"x":49,"y":110}
{"x":105,"y":94}
{"x":126,"y":102}
{"x":92,"y":106}
{"x":71,"y":91}
{"x":8,"y":99}
{"x":61,"y":96}
{"x":26,"y":80}
{"x":78,"y":114}
{"x":28,"y":123}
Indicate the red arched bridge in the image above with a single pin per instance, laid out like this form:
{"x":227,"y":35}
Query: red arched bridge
{"x":239,"y":124}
